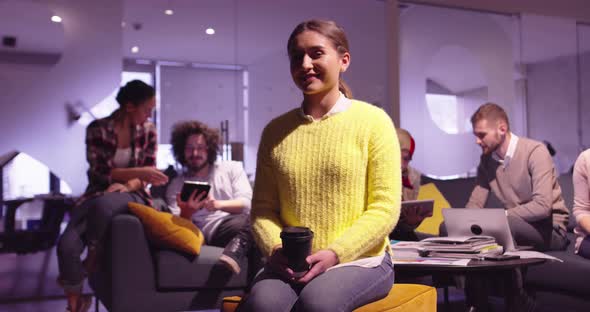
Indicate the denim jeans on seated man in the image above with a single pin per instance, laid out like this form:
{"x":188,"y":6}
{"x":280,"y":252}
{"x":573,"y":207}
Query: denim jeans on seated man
{"x":584,"y":249}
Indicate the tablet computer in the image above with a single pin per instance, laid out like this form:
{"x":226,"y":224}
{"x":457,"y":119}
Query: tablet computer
{"x":425,"y":207}
{"x":190,"y":186}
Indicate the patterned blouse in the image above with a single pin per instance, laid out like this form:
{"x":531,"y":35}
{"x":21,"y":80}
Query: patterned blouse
{"x":101,"y":145}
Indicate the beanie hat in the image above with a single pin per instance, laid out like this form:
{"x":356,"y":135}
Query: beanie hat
{"x":406,"y":141}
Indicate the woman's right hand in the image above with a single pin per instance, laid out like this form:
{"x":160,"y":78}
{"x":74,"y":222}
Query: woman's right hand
{"x":277,"y":263}
{"x":117,"y":187}
{"x":152,"y":175}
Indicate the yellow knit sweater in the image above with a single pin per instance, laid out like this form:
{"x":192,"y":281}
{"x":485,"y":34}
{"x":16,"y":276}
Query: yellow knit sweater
{"x":340,"y":176}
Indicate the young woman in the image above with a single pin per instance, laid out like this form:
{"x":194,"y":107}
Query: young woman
{"x":121,"y":152}
{"x":332,"y":165}
{"x":410,"y":218}
{"x":581,"y":180}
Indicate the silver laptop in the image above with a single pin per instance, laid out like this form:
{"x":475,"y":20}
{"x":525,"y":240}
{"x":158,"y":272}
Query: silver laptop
{"x":483,"y":221}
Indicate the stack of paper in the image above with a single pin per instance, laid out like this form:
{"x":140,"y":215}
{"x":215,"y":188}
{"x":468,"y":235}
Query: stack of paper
{"x":407,"y":250}
{"x":461,"y":247}
{"x":457,"y":247}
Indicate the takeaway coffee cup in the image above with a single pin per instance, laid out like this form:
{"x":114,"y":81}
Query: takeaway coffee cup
{"x":296,"y":247}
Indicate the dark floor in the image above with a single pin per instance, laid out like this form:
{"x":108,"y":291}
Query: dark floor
{"x":28,"y":283}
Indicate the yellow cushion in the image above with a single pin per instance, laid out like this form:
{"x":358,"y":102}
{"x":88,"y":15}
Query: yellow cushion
{"x":401,"y":297}
{"x":230,"y":304}
{"x":431,"y":225}
{"x":167,"y":230}
{"x":404,"y":297}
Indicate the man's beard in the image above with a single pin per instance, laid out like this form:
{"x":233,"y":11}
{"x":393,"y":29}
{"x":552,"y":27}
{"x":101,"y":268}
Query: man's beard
{"x":195,"y":168}
{"x":494,"y":148}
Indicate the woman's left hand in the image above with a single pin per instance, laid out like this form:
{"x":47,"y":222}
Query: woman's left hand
{"x":320,"y":262}
{"x":212,"y":204}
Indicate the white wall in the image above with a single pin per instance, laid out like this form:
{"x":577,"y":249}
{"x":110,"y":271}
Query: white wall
{"x":584,"y":40}
{"x":552,"y":106}
{"x":32,"y":109}
{"x":207,"y":95}
{"x":552,"y":87}
{"x":576,"y":9}
{"x":272,"y":91}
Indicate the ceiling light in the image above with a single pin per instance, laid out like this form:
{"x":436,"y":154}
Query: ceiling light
{"x":56,"y":19}
{"x":168,"y":12}
{"x":123,"y":24}
{"x":210,"y":31}
{"x":134,"y":49}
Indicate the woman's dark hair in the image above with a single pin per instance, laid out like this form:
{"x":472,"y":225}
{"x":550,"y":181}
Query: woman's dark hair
{"x":182,"y":130}
{"x":330,"y":30}
{"x":135,"y":92}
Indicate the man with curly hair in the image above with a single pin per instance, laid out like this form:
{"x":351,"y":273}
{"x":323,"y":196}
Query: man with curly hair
{"x":223,"y":214}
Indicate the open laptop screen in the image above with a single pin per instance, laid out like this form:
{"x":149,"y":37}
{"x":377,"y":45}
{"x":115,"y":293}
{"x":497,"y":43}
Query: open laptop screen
{"x":479,"y":221}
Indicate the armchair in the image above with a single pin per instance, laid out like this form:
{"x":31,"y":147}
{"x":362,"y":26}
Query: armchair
{"x":136,"y":276}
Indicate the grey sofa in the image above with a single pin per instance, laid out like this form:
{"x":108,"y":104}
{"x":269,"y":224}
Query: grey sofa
{"x":563,"y":286}
{"x":557,"y":286}
{"x":135,"y":276}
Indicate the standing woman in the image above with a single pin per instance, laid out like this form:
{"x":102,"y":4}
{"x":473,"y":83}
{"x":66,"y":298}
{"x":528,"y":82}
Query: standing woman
{"x":332,"y":165}
{"x":121,"y":153}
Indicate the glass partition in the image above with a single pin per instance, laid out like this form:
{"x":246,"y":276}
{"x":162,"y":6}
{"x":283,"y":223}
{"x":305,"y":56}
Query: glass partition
{"x":551,"y":71}
{"x":584,"y":86}
{"x":451,"y":62}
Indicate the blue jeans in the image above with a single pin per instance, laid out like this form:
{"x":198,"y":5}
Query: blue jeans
{"x":89,"y":222}
{"x":341,"y":289}
{"x":584,"y":249}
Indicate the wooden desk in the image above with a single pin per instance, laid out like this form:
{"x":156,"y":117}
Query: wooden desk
{"x":26,"y":241}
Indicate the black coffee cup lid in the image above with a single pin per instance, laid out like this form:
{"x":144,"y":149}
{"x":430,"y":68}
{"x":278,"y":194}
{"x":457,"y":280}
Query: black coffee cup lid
{"x":296,"y":231}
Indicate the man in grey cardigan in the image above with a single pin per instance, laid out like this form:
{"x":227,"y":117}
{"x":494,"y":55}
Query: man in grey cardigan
{"x":521,"y":174}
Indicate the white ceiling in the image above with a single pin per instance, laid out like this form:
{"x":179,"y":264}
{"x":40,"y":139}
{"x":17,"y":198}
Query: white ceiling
{"x":247,"y":30}
{"x":30,"y":23}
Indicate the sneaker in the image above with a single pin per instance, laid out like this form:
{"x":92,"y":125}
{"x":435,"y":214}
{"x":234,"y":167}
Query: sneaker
{"x":234,"y":253}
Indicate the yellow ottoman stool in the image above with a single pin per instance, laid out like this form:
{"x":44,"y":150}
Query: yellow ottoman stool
{"x":401,"y":298}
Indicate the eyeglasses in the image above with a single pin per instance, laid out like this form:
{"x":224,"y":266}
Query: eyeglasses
{"x":198,"y":148}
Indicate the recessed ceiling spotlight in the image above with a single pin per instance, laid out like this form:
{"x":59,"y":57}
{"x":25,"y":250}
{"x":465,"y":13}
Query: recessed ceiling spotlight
{"x":123,"y":24}
{"x":168,"y":12}
{"x":210,"y":31}
{"x":134,"y":49}
{"x":56,"y":19}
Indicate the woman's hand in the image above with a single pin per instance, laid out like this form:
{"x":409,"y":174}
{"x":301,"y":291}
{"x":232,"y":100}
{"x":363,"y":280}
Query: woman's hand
{"x":152,"y":175}
{"x":117,"y":188}
{"x":320,"y":262}
{"x":277,"y":263}
{"x":192,"y":205}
